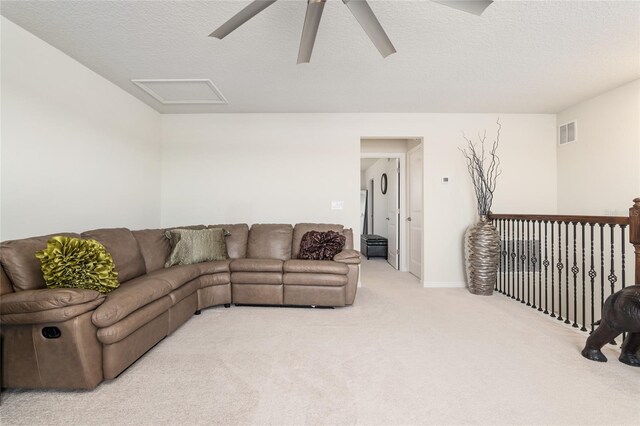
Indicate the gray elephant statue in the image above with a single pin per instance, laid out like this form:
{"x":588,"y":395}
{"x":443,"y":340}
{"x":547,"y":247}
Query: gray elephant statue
{"x":620,"y":314}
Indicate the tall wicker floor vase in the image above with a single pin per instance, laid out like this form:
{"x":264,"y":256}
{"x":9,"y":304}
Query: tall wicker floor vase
{"x":482,"y":256}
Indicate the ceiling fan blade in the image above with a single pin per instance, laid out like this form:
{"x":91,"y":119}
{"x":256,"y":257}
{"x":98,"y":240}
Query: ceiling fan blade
{"x":471,"y":6}
{"x":370,"y":24}
{"x":241,"y":17}
{"x":310,"y":29}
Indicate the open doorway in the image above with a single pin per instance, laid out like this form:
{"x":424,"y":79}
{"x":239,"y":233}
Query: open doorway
{"x":391,"y":202}
{"x":380,"y":215}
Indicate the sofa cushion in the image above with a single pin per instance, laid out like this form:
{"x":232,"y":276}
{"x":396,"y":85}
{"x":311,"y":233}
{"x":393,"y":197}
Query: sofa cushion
{"x":50,"y":315}
{"x":124,"y":249}
{"x":302,"y":228}
{"x":154,"y":246}
{"x":5,"y":282}
{"x":70,"y":262}
{"x":194,"y":227}
{"x":130,"y":297}
{"x":118,"y":331}
{"x":221,"y":278}
{"x":177,"y":275}
{"x":321,"y":245}
{"x":214,"y":267}
{"x":348,"y":234}
{"x":185,"y":291}
{"x":302,"y":295}
{"x":236,"y":240}
{"x":18,"y":258}
{"x":348,"y":256}
{"x":270,"y":241}
{"x":195,"y":246}
{"x":44,"y":299}
{"x":316,"y":266}
{"x":256,"y":265}
{"x":272,"y":278}
{"x":333,"y":280}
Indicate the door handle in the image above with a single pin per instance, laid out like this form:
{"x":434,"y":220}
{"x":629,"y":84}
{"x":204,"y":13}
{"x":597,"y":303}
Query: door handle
{"x":409,"y":219}
{"x":387,"y":218}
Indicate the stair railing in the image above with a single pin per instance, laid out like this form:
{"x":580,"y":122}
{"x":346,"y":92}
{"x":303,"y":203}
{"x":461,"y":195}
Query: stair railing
{"x":566,"y":266}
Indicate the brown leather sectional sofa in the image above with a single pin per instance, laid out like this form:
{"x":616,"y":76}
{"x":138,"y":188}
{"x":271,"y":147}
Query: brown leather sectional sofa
{"x":74,"y":338}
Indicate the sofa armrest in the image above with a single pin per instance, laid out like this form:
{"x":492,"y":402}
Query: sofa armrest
{"x":47,"y":305}
{"x":348,"y":256}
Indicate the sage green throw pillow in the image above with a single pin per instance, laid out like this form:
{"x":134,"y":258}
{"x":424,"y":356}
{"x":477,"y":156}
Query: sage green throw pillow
{"x":190,"y":246}
{"x":69,"y":262}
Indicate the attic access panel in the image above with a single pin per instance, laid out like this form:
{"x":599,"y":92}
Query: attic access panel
{"x":182,"y":91}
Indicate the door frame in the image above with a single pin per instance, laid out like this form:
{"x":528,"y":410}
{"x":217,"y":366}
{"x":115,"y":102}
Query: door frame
{"x":403,"y":246}
{"x":422,"y":242}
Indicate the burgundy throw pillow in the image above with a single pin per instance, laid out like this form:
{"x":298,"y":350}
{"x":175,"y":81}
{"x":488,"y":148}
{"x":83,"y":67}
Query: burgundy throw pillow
{"x":317,"y":245}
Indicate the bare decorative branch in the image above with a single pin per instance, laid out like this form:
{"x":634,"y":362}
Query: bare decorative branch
{"x":484,"y":169}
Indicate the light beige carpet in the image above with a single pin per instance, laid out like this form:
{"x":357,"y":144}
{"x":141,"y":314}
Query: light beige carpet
{"x":401,"y":355}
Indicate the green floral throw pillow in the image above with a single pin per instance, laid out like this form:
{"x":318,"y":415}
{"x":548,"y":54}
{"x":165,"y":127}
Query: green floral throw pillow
{"x":75,"y":263}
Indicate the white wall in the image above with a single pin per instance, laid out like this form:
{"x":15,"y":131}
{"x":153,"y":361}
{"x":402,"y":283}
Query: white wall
{"x":599,"y":174}
{"x":288,"y":167}
{"x":380,"y":200}
{"x":387,"y":146}
{"x":77,"y":151}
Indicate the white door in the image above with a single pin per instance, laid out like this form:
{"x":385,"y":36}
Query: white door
{"x":393,"y":211}
{"x":414,"y":220}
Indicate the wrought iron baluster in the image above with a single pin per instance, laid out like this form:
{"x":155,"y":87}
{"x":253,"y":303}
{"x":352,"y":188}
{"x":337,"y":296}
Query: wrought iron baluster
{"x":566,"y":278}
{"x":499,"y":277}
{"x":584,"y":314}
{"x":612,"y":275}
{"x":528,"y":268}
{"x":622,"y":227}
{"x":534,"y":260}
{"x":560,"y":266}
{"x":601,"y":267}
{"x":540,"y":266}
{"x":553,"y":308}
{"x":502,"y":249}
{"x":522,"y":258}
{"x":503,"y":253}
{"x":496,"y":286}
{"x":612,"y":272}
{"x":622,"y":244}
{"x":512,"y":256}
{"x":507,"y":258}
{"x":574,"y":271}
{"x":517,"y":259}
{"x":545,"y":262}
{"x":592,"y":277}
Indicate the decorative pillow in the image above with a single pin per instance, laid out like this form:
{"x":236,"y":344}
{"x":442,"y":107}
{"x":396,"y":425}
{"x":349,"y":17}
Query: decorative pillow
{"x":321,"y":245}
{"x":76,"y":263}
{"x":189,"y":246}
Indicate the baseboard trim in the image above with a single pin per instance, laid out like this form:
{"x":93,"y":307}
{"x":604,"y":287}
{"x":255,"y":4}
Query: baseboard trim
{"x":453,"y":284}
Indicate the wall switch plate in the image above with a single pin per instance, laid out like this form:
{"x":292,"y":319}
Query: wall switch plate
{"x":445,"y":179}
{"x":337,"y":205}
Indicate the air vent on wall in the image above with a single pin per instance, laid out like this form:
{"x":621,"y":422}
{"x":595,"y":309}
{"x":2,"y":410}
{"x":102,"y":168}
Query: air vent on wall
{"x":568,"y":132}
{"x":182,"y":91}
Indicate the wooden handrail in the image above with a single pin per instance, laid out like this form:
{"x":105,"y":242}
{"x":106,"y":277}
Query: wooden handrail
{"x":633,"y":221}
{"x":605,"y":220}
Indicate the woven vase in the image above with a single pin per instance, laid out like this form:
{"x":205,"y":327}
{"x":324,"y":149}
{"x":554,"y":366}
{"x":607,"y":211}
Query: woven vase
{"x":482,"y":256}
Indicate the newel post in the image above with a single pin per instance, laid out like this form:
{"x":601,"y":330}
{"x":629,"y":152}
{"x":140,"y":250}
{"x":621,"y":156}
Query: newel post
{"x":634,"y":234}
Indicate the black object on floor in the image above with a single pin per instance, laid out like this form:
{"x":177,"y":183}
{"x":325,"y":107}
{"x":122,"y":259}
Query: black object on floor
{"x":373,"y":246}
{"x":621,"y":313}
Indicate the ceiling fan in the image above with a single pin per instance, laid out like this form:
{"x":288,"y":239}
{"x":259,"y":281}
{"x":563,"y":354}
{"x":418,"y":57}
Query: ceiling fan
{"x":359,"y":8}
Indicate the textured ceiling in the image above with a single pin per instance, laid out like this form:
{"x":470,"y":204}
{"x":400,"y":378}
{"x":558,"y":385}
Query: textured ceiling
{"x":519,"y":56}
